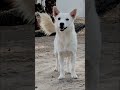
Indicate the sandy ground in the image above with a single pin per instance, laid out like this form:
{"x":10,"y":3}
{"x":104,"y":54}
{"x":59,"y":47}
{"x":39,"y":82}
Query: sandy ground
{"x":46,"y":77}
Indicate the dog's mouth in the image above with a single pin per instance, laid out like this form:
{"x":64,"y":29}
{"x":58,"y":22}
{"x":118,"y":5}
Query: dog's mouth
{"x":62,"y":29}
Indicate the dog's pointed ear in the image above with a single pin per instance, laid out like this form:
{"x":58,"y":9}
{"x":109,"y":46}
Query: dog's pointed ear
{"x":55,"y":11}
{"x":73,"y":13}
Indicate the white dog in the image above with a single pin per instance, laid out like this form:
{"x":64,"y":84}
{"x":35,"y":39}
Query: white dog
{"x":65,"y":43}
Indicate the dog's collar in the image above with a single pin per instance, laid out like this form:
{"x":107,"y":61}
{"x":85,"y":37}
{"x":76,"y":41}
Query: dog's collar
{"x":63,"y":29}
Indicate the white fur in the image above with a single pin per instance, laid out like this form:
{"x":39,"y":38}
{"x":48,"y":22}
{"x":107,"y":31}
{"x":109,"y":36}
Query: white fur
{"x":65,"y":43}
{"x":46,"y":23}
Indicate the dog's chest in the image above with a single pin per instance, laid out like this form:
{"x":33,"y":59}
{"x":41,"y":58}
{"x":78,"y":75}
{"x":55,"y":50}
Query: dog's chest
{"x":65,"y":48}
{"x":65,"y":43}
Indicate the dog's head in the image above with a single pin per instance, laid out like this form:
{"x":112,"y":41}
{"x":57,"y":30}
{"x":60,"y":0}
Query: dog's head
{"x":63,"y":20}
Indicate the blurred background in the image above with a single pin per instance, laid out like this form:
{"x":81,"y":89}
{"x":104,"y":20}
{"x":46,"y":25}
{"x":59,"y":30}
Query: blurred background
{"x":45,"y":6}
{"x":67,"y":6}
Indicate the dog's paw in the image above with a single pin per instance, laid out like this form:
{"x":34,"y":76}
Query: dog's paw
{"x":61,"y":77}
{"x":56,"y":70}
{"x":68,"y":71}
{"x":74,"y":76}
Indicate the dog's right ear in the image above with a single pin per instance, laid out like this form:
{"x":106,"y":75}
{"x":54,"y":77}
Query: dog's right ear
{"x":73,"y":13}
{"x":55,"y":11}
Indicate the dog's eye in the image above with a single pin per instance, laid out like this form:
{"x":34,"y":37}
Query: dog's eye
{"x":59,"y":18}
{"x":67,"y":19}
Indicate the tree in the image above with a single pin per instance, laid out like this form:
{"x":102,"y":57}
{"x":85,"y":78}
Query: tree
{"x":49,"y":6}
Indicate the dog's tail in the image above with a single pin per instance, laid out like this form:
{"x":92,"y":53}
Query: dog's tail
{"x":46,"y":23}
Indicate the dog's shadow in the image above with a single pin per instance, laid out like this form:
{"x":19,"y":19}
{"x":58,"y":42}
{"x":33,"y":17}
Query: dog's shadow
{"x":55,"y":74}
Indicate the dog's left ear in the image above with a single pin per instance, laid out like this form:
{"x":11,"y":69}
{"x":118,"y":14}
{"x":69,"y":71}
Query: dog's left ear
{"x":73,"y":13}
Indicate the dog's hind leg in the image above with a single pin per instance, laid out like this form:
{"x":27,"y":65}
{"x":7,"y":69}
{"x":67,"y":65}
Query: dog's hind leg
{"x":73,"y":60}
{"x":68,"y":70}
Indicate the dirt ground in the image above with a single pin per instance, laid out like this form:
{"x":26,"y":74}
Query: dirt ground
{"x":17,"y":57}
{"x":46,"y":77}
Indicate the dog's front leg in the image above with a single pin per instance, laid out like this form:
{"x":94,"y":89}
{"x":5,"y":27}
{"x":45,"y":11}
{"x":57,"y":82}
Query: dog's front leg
{"x":73,"y":60}
{"x":57,"y":64}
{"x":61,"y":63}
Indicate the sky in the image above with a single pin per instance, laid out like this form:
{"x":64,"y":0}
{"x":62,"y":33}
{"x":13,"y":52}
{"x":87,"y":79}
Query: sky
{"x":69,"y":5}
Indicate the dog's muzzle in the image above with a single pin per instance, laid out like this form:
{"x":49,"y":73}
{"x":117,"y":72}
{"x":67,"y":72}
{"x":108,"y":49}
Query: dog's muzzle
{"x":63,"y":29}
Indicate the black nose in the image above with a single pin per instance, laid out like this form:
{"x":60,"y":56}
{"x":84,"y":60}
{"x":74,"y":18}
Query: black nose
{"x":61,"y":25}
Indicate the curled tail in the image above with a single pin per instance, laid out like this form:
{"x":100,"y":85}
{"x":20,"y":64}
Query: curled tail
{"x":46,"y":23}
